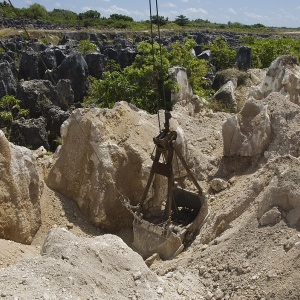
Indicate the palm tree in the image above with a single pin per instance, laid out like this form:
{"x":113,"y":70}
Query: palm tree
{"x":181,"y":20}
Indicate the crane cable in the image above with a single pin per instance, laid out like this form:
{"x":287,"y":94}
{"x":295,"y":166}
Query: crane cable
{"x":155,"y":75}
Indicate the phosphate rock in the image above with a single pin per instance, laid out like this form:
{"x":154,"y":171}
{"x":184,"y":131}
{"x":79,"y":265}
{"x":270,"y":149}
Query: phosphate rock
{"x":283,"y":191}
{"x":249,"y":132}
{"x":20,"y":211}
{"x":271,"y":217}
{"x":218,"y":184}
{"x":282,"y":76}
{"x":106,"y":154}
{"x":225,"y":96}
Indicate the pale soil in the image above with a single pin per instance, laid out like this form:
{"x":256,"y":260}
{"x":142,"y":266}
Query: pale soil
{"x":244,"y":260}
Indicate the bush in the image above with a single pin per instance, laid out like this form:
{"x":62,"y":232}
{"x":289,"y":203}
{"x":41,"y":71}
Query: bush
{"x":10,"y":110}
{"x":86,"y":47}
{"x":36,"y":11}
{"x":223,"y":57}
{"x":145,"y":83}
{"x":264,"y":51}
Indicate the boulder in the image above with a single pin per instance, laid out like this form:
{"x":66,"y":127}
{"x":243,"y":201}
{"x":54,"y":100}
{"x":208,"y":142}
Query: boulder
{"x":206,"y":54}
{"x":185,"y":92}
{"x":269,"y":127}
{"x":96,"y":64}
{"x":55,"y":118}
{"x":126,"y":57}
{"x":243,"y":58}
{"x":38,"y":95}
{"x":271,"y":217}
{"x":111,"y":160}
{"x":282,"y":76}
{"x":30,"y":133}
{"x":8,"y":83}
{"x":59,"y":55}
{"x":249,"y":132}
{"x":47,"y":61}
{"x":20,"y":212}
{"x":283,"y":191}
{"x":225,"y":97}
{"x":218,"y":184}
{"x":29,"y":58}
{"x":74,"y":68}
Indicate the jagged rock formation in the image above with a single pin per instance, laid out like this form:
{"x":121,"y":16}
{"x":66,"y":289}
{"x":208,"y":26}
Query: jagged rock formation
{"x":185,"y":92}
{"x":225,"y":97}
{"x":74,"y":68}
{"x":249,"y":132}
{"x":30,"y":133}
{"x":8,"y":83}
{"x":283,"y":76}
{"x":110,"y":158}
{"x":20,"y":213}
{"x":267,"y":127}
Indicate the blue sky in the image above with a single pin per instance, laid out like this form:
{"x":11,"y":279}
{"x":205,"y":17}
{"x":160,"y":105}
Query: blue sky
{"x":283,"y":13}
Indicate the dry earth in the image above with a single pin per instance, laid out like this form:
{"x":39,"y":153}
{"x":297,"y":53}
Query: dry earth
{"x":246,"y":261}
{"x":236,"y":255}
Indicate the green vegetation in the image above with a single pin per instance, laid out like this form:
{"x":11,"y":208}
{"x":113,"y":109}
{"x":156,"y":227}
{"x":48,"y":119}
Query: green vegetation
{"x":182,"y":55}
{"x":134,"y":84}
{"x":146,"y":83}
{"x":10,"y":110}
{"x":223,"y":56}
{"x":182,"y":20}
{"x":159,"y":20}
{"x":93,"y":18}
{"x":264,"y":51}
{"x":35,"y":12}
{"x":86,"y":47}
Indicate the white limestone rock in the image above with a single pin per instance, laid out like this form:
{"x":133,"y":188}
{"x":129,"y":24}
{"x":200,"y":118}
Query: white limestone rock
{"x":249,"y":132}
{"x":282,"y":76}
{"x":20,"y":212}
{"x":105,"y":155}
{"x":185,"y":92}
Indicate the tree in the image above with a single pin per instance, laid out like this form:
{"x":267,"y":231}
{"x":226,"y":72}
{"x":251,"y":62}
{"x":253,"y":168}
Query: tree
{"x":197,"y":69}
{"x":63,"y":14}
{"x":146,"y":80}
{"x":4,"y":4}
{"x":222,"y":56}
{"x":86,"y":47}
{"x":36,"y":11}
{"x":182,"y":20}
{"x":159,"y":20}
{"x":121,"y":17}
{"x":90,"y":14}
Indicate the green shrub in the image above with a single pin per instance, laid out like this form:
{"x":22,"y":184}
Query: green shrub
{"x":10,"y":109}
{"x":182,"y":55}
{"x":264,"y":51}
{"x":86,"y":47}
{"x":223,"y":56}
{"x":145,"y":83}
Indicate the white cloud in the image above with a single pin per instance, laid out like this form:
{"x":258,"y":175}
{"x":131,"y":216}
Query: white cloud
{"x":114,"y":9}
{"x":168,"y":4}
{"x":232,"y":11}
{"x":253,"y":15}
{"x":86,"y":8}
{"x":184,"y":1}
{"x":57,"y":4}
{"x":193,"y":10}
